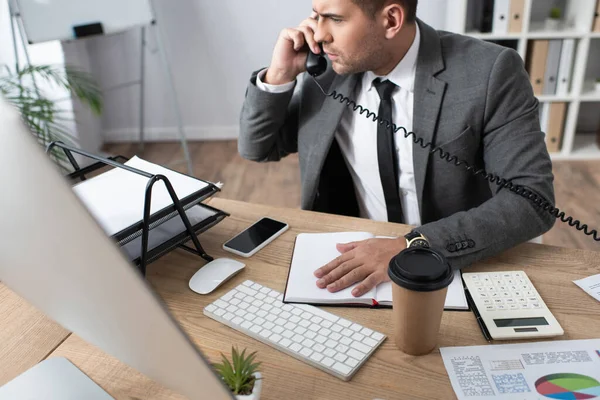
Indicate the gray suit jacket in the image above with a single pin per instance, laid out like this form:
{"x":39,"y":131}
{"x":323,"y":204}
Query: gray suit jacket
{"x":471,"y":98}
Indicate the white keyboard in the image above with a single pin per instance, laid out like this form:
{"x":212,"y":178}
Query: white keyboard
{"x":321,"y":339}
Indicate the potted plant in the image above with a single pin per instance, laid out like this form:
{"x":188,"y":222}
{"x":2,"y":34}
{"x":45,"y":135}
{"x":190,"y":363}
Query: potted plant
{"x":553,"y":20}
{"x":45,"y":117}
{"x":241,"y":374}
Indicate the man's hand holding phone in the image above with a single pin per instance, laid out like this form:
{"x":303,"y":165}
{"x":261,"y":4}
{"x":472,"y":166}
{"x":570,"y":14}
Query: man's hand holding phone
{"x":289,"y":56}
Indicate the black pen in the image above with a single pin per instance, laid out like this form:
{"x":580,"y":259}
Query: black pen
{"x":480,"y":322}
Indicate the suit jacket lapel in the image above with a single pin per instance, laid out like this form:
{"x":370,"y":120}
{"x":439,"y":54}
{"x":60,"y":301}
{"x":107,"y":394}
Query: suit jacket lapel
{"x":428,"y":96}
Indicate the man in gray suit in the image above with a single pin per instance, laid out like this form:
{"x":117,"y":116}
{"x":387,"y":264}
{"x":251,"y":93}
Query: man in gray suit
{"x":471,"y":98}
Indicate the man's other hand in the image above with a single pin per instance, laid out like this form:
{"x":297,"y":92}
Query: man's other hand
{"x":365,"y":261}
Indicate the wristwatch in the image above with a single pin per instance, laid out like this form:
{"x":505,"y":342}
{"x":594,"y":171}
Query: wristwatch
{"x":416,"y":239}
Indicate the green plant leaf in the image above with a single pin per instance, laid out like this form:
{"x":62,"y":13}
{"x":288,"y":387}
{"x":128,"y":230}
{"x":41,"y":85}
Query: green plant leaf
{"x":238,"y":374}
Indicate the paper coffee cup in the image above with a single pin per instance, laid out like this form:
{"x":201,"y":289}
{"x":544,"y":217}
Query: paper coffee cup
{"x":420,"y":278}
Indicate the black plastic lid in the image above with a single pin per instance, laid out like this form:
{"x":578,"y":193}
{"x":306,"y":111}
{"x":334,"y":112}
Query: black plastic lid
{"x":421,"y":269}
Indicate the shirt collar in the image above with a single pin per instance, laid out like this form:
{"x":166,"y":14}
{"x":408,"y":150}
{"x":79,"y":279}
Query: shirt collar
{"x":404,"y":72}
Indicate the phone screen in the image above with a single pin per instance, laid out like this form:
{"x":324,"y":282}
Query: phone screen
{"x":255,"y":235}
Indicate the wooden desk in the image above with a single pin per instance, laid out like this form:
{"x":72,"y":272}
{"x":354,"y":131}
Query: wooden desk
{"x":388,"y":374}
{"x":26,"y":335}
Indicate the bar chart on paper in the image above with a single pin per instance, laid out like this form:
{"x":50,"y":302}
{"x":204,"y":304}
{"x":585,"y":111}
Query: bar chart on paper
{"x":568,"y":386}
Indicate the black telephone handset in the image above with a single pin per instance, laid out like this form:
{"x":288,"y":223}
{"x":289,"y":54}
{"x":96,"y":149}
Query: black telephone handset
{"x":316,"y":64}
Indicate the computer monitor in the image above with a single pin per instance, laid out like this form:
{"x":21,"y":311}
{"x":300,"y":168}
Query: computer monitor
{"x":55,"y":255}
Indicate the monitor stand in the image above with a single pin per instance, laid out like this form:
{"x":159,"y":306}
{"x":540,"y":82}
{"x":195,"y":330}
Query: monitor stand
{"x":53,"y":379}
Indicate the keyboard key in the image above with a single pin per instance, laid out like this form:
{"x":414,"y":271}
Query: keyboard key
{"x":316,"y":319}
{"x":320,"y":339}
{"x":314,"y":328}
{"x":295,"y":347}
{"x":247,"y":290}
{"x":328,"y":362}
{"x":345,"y":323}
{"x":228,"y":316}
{"x":316,"y":356}
{"x":246,"y":324}
{"x":219,"y":312}
{"x":308,"y":343}
{"x":269,"y":325}
{"x":366,"y":331}
{"x":255,"y":328}
{"x":261,"y":296}
{"x":359,"y":355}
{"x":319,"y":348}
{"x":310,"y":334}
{"x":275,"y":338}
{"x":346,"y":340}
{"x":342,"y":368}
{"x":210,"y":308}
{"x":347,"y":332}
{"x":342,"y":348}
{"x":358,"y":336}
{"x":326,"y":324}
{"x":265,"y":333}
{"x":329,"y":352}
{"x":237,"y":320}
{"x":298,"y":338}
{"x":351,"y":362}
{"x":248,"y":283}
{"x":256,"y":286}
{"x":370,"y":342}
{"x":336,"y":328}
{"x":377,"y":336}
{"x":335,"y":336}
{"x":220,"y":303}
{"x":340,"y":357}
{"x":285,"y":342}
{"x":360,"y":347}
{"x":306,"y":352}
{"x":331,"y":343}
{"x":356,"y":327}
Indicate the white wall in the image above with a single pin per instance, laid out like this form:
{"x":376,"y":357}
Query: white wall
{"x":213,"y":47}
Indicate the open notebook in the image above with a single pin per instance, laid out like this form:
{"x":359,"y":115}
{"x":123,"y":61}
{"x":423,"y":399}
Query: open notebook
{"x":313,"y":250}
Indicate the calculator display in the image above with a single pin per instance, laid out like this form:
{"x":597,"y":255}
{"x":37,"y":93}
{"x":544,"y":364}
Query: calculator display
{"x":512,"y":322}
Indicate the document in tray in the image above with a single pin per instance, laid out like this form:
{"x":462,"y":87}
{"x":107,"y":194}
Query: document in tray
{"x":565,"y":369}
{"x":116,"y":197}
{"x":313,"y":250}
{"x":591,"y":285}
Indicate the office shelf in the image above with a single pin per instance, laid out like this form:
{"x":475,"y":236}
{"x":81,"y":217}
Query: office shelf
{"x":578,"y":24}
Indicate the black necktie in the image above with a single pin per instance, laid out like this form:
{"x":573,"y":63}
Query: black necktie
{"x":387,"y":156}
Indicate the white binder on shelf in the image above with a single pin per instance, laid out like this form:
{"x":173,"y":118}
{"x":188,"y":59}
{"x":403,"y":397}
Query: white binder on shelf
{"x":544,"y":115}
{"x":501,"y":16}
{"x":565,"y":67}
{"x":552,"y":62}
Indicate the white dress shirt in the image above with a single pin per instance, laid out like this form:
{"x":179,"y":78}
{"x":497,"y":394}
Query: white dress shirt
{"x":357,"y":137}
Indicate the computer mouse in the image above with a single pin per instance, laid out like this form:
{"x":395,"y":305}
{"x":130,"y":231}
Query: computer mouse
{"x":214,"y":274}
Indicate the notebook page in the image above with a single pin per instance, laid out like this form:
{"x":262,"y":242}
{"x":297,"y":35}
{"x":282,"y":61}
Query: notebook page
{"x":312,"y":251}
{"x":455,"y":298}
{"x":116,"y":197}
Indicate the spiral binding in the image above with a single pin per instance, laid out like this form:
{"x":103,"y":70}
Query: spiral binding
{"x":520,"y":190}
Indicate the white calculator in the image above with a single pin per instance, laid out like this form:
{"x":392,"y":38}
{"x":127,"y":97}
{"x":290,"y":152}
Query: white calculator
{"x":510,"y":306}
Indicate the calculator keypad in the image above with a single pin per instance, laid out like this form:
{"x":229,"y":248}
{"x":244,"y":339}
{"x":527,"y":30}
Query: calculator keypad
{"x":505,"y":291}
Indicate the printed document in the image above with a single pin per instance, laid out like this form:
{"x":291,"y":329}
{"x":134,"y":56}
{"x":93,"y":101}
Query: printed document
{"x":591,"y":285}
{"x":566,"y":369}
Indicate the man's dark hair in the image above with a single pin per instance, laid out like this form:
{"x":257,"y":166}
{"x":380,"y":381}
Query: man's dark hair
{"x":370,"y":7}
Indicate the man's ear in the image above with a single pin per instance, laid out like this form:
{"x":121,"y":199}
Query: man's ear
{"x":394,"y":18}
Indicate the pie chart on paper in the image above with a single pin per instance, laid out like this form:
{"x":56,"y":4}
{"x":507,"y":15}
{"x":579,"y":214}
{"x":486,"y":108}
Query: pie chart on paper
{"x":567,"y":386}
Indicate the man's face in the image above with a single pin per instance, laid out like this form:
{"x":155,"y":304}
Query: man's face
{"x":353,"y":40}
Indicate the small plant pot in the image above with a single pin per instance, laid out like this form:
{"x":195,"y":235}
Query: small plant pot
{"x":552,"y":24}
{"x":255,"y":395}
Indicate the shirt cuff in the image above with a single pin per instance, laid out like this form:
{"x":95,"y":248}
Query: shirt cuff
{"x":265,"y":87}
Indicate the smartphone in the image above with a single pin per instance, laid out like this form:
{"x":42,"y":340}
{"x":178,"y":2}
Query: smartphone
{"x":255,"y":237}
